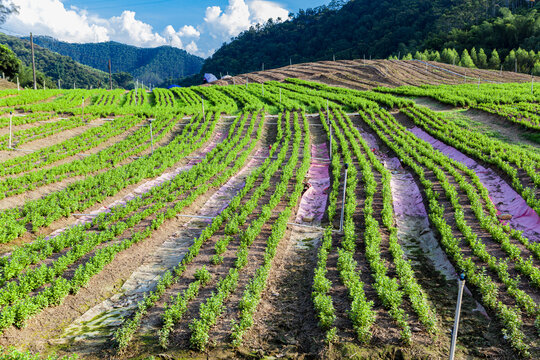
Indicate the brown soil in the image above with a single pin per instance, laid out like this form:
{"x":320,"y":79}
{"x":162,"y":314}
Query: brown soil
{"x":41,"y":143}
{"x":490,"y":347}
{"x":42,"y":191}
{"x":367,"y":74}
{"x":65,"y":222}
{"x":5,"y":84}
{"x":49,"y":324}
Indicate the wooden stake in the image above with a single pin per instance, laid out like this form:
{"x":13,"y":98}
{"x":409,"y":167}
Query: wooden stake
{"x":10,"y":123}
{"x":33,"y":60}
{"x":110,"y":75}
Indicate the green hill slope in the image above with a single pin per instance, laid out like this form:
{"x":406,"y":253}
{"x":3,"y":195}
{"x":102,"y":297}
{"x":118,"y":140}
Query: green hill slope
{"x":357,"y":28}
{"x":56,"y":66}
{"x":151,"y":65}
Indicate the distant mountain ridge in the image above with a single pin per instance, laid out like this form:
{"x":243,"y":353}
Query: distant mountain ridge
{"x":55,"y":66}
{"x":151,"y":65}
{"x":364,"y":28}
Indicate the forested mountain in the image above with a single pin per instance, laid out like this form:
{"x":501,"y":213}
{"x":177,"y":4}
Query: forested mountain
{"x":151,"y":65}
{"x":358,"y":28}
{"x":51,"y":66}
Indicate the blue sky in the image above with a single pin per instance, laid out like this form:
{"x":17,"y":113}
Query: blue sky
{"x":199,"y":27}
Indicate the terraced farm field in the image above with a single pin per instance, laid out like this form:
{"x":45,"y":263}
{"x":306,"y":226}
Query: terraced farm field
{"x":287,"y":220}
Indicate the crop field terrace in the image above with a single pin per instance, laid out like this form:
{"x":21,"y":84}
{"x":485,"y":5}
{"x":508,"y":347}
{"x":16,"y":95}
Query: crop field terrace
{"x":136,"y":225}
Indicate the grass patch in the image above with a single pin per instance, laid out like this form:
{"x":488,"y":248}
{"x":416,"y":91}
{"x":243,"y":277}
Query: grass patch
{"x":459,"y":118}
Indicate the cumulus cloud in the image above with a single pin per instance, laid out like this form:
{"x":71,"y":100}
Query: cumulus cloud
{"x":229,"y":22}
{"x":126,"y":29}
{"x":70,"y":25}
{"x":261,"y":11}
{"x":188,"y":31}
{"x":240,"y":15}
{"x":76,"y":25}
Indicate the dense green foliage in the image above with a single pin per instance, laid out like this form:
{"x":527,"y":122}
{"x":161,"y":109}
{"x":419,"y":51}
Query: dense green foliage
{"x":9,"y":63}
{"x":505,"y":32}
{"x":53,"y":66}
{"x":379,"y":29}
{"x":519,"y":60}
{"x":366,"y":259}
{"x":151,"y":65}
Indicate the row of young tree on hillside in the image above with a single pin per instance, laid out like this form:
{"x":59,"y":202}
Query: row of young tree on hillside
{"x":519,"y":60}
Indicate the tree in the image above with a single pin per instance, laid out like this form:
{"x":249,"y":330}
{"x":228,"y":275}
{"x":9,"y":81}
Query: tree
{"x":447,"y":56}
{"x":9,"y":63}
{"x":7,"y":8}
{"x":408,"y":57}
{"x":482,"y":59}
{"x":466,"y":60}
{"x":474,"y":56}
{"x":123,"y":79}
{"x":494,"y":60}
{"x":536,"y":68}
{"x":510,"y":61}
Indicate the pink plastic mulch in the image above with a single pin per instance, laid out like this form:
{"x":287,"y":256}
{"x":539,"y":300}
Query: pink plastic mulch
{"x":313,"y":202}
{"x":146,"y":187}
{"x":505,"y":199}
{"x":216,"y":139}
{"x":407,"y":199}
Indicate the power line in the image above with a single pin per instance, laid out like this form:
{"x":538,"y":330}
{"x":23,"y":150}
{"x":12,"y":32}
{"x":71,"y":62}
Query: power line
{"x":13,"y":32}
{"x":139,"y":3}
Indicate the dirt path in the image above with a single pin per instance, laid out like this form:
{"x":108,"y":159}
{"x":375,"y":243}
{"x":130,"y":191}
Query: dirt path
{"x":280,"y":329}
{"x":97,"y":324}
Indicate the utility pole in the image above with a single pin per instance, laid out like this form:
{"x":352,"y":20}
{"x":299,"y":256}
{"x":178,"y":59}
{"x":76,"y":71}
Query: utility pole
{"x":461,"y":285}
{"x":151,"y":136}
{"x":110,"y":75}
{"x":330,"y":127}
{"x":204,"y":116}
{"x":10,"y":123}
{"x":136,"y":86}
{"x":343,"y":203}
{"x":18,"y":85}
{"x":263,"y":67}
{"x":33,"y":60}
{"x":58,"y":83}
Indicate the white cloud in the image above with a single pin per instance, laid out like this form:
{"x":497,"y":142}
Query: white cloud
{"x":192,"y":48}
{"x":261,"y":11}
{"x":50,"y":17}
{"x":188,"y":31}
{"x":229,"y":22}
{"x":126,"y":29}
{"x":239,"y":16}
{"x":172,"y":37}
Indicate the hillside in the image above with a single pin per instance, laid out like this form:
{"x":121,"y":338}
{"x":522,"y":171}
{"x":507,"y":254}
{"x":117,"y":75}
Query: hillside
{"x":151,"y":65}
{"x":55,"y":66}
{"x":368,"y":74}
{"x":358,"y":28}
